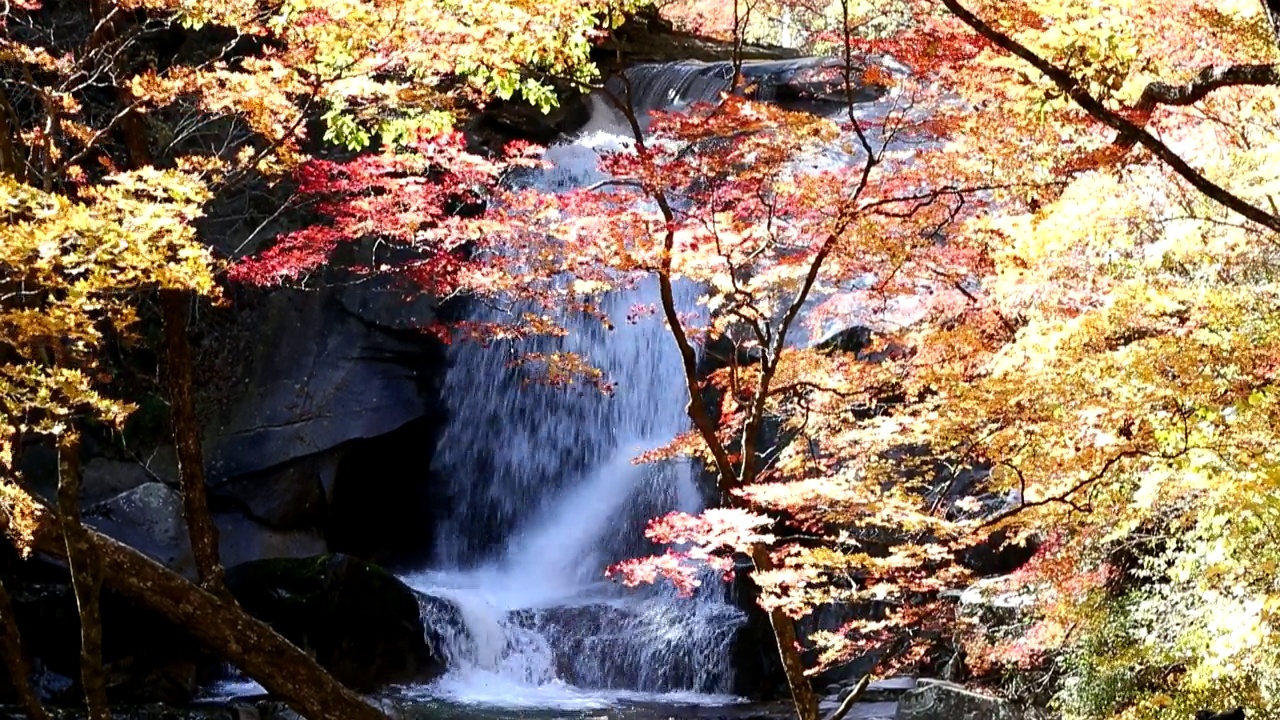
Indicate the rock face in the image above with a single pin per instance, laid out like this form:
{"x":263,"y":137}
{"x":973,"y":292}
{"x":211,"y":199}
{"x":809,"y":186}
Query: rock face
{"x":937,"y":700}
{"x":339,"y":380}
{"x":360,"y":622}
{"x":323,"y":374}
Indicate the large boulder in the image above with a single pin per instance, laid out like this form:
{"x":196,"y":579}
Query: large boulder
{"x":327,"y":369}
{"x":359,"y":621}
{"x":937,"y":700}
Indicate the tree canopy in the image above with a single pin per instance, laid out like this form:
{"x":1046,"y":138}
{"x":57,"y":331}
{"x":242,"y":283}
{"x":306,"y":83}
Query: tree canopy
{"x":1059,"y":235}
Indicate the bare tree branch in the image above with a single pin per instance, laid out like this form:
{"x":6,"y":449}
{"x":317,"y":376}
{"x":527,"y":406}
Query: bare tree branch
{"x":1209,"y":79}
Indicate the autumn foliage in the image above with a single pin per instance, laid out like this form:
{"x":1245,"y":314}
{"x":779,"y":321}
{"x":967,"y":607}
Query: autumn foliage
{"x":1055,"y":227}
{"x":1058,"y":234}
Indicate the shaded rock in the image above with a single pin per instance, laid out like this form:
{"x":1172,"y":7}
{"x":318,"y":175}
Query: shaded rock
{"x":383,"y":300}
{"x":647,"y":37}
{"x":509,"y":119}
{"x":103,"y":478}
{"x":149,"y":518}
{"x":883,"y":690}
{"x":292,"y":495}
{"x":38,"y":466}
{"x":321,"y":376}
{"x":996,"y":556}
{"x":241,"y":540}
{"x":360,"y":622}
{"x":723,"y":351}
{"x":853,"y":339}
{"x":937,"y":700}
{"x":384,"y":504}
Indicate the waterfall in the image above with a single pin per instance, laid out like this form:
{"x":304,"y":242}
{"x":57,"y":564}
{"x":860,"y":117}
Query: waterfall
{"x":543,"y":494}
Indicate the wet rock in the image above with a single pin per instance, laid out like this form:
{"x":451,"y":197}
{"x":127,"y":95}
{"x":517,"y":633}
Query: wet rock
{"x":938,"y":700}
{"x":360,"y":622}
{"x":638,"y":645}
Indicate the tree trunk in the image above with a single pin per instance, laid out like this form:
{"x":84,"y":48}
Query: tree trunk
{"x":263,"y":655}
{"x":83,"y":562}
{"x":174,"y":305}
{"x":15,"y":662}
{"x":784,"y":629}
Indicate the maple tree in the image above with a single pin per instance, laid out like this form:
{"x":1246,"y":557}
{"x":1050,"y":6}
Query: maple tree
{"x":1106,"y":346}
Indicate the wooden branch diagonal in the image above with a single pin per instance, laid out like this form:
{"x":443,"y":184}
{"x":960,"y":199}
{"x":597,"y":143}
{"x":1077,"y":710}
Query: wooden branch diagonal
{"x":1206,"y":81}
{"x":1126,"y":128}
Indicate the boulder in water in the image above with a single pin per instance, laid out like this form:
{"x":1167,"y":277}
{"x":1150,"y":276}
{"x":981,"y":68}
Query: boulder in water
{"x":362,"y":624}
{"x":937,"y":700}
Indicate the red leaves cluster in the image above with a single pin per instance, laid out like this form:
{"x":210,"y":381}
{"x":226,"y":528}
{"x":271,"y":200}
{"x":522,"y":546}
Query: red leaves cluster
{"x":706,"y":540}
{"x":417,"y":200}
{"x":935,"y":44}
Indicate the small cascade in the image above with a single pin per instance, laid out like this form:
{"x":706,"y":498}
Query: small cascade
{"x":543,"y":494}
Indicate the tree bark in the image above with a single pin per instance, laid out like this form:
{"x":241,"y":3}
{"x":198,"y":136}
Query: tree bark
{"x":784,"y":630}
{"x":255,"y":648}
{"x":14,"y":660}
{"x":85,"y":576}
{"x":174,"y":305}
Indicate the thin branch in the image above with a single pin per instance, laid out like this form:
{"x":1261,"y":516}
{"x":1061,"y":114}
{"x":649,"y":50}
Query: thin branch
{"x":1206,"y":81}
{"x":852,"y":698}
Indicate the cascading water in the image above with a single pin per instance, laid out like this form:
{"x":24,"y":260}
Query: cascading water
{"x":544,"y":494}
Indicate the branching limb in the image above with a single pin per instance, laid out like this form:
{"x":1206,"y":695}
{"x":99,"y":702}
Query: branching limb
{"x":1126,"y":128}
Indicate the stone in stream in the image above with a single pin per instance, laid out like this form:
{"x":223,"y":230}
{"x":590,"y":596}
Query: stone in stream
{"x":361,"y":622}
